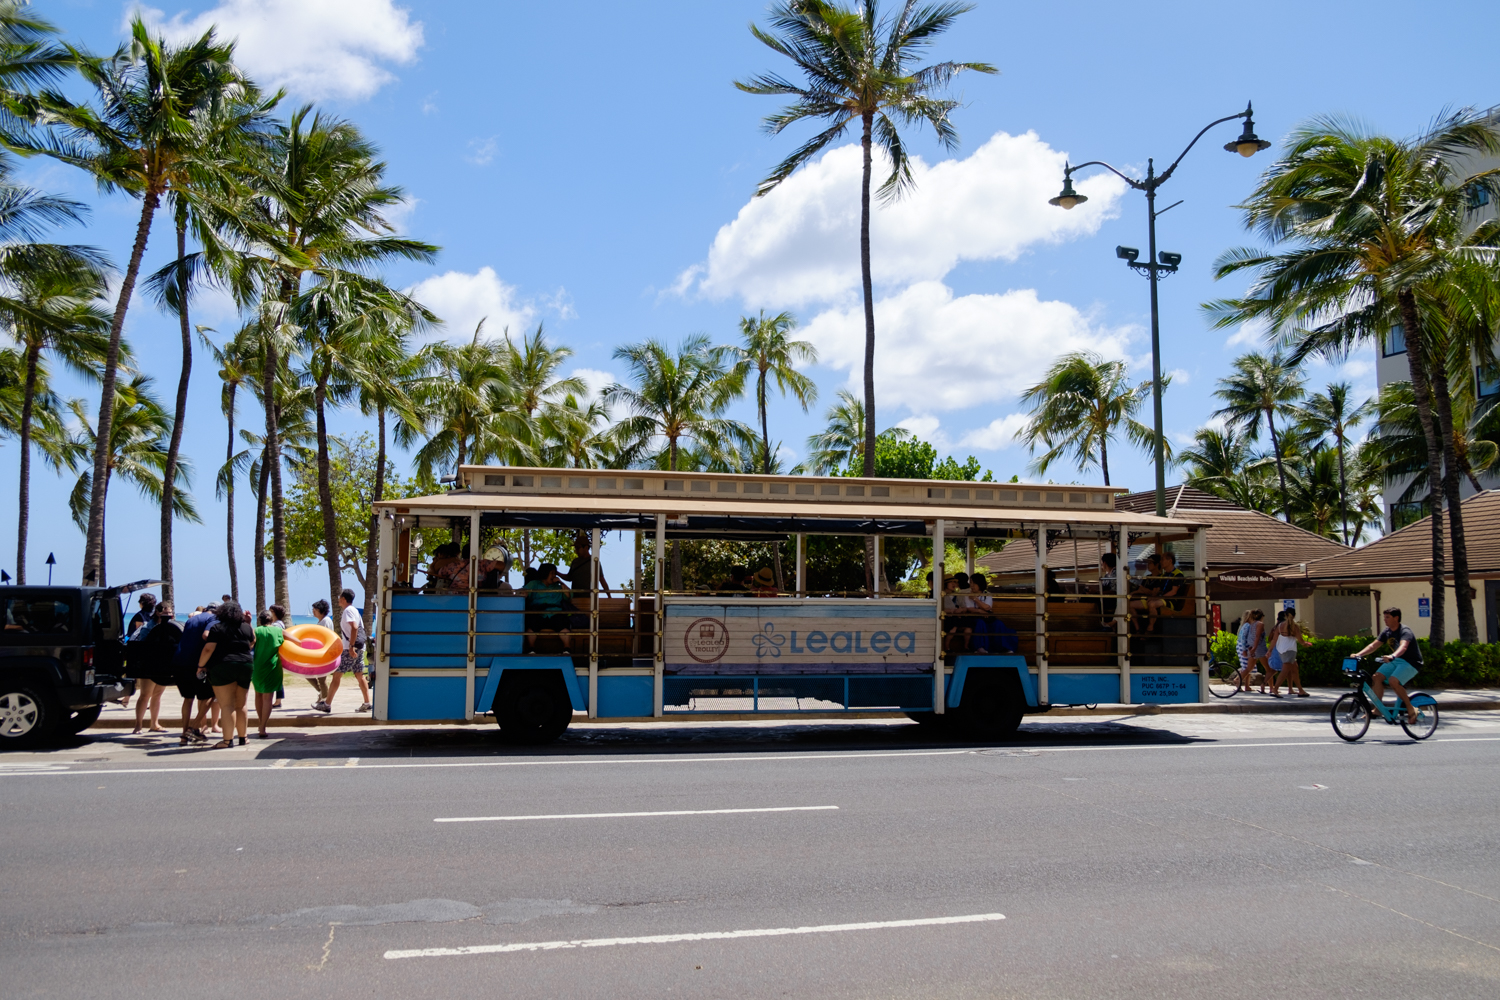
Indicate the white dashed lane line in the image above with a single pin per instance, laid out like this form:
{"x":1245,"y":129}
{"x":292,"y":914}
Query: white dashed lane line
{"x":631,"y":815}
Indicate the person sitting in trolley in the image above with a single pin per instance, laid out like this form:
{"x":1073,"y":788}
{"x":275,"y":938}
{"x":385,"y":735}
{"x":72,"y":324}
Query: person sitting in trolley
{"x":1145,"y":595}
{"x":763,"y":584}
{"x":547,"y":607}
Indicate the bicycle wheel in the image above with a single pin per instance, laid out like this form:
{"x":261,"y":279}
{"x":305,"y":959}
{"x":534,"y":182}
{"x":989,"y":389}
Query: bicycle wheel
{"x":1223,"y":679}
{"x":1427,"y":717}
{"x":1350,"y":717}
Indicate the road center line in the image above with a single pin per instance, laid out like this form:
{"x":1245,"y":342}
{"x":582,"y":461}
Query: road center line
{"x":495,"y":949}
{"x":626,"y":815}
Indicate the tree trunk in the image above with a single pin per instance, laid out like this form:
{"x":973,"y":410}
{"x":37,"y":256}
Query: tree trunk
{"x":1343,"y":487}
{"x":23,"y":501}
{"x":1468,"y":628}
{"x":1286,"y":507}
{"x":869,"y":288}
{"x":765,"y":434}
{"x":103,"y":577}
{"x":372,"y":541}
{"x":1104,"y":456}
{"x":273,"y":455}
{"x":260,"y":532}
{"x":1422,"y":394}
{"x":93,"y":549}
{"x":325,"y":489}
{"x":234,"y":573}
{"x":179,"y":415}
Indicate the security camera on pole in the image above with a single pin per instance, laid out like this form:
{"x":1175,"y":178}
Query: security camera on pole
{"x":1157,"y":264}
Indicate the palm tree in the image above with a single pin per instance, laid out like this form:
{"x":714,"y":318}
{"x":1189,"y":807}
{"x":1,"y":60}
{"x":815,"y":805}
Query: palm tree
{"x":50,"y":308}
{"x":386,"y":372}
{"x":235,"y":360}
{"x":841,"y":442}
{"x":1077,"y":407}
{"x":1260,"y":387}
{"x":1369,"y":231}
{"x":148,"y":92}
{"x":1328,"y":414}
{"x":530,"y":370}
{"x":676,"y":399}
{"x":767,"y":349}
{"x":577,"y":436}
{"x":204,"y":183}
{"x":317,"y":208}
{"x":1221,"y":462}
{"x":29,"y":58}
{"x":465,"y":406}
{"x":859,"y":67}
{"x":136,"y":454}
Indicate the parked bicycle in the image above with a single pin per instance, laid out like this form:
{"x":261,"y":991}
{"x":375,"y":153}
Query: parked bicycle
{"x":1352,"y":712}
{"x":1225,"y":679}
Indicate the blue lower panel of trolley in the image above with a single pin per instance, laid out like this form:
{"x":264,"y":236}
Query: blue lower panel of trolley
{"x":1083,"y":689}
{"x":624,"y":697}
{"x":1163,"y":689}
{"x":426,"y":697}
{"x":852,"y":693}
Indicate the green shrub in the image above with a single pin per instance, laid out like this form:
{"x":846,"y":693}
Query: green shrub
{"x":1455,"y":664}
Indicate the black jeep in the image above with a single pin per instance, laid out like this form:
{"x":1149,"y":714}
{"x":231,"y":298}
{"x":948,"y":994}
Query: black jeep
{"x":61,"y":653}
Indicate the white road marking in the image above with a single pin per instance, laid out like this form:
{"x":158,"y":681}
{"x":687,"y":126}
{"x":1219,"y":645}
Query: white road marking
{"x":764,"y":758}
{"x":626,"y":815}
{"x":495,"y":949}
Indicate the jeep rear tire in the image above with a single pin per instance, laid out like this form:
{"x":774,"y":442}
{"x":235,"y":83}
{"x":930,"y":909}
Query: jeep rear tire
{"x":82,"y":719}
{"x":27,"y":716}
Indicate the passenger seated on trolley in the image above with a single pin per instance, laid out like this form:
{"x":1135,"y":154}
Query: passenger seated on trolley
{"x":956,"y":628}
{"x":1144,"y":591}
{"x":738,"y":584}
{"x":446,"y":564}
{"x":763,"y":584}
{"x":579,"y":572}
{"x":547,"y":607}
{"x":982,"y":607}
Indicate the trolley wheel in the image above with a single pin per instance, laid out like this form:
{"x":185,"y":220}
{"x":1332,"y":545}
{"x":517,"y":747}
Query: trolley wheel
{"x":532,"y":707}
{"x":993,"y":704}
{"x":1427,"y":717}
{"x":1224,"y":679}
{"x":1350,"y":717}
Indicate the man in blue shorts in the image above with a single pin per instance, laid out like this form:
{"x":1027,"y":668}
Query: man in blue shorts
{"x":1403,"y":663}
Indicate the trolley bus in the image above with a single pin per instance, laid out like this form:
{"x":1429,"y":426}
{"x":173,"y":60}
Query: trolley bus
{"x":466,"y":651}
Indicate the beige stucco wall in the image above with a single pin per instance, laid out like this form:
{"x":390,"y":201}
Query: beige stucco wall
{"x":1405,"y":595}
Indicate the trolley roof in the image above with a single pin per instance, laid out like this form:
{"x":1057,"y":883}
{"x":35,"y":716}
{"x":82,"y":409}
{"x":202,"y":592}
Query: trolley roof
{"x":720,"y":503}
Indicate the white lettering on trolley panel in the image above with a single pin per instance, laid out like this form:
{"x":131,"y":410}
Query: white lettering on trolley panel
{"x":744,"y":635}
{"x":758,"y":932}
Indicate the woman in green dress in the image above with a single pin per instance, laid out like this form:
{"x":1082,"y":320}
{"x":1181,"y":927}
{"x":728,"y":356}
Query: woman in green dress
{"x":265,"y":675}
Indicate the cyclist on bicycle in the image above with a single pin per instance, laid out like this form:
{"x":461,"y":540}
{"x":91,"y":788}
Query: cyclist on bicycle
{"x":1401,"y":665}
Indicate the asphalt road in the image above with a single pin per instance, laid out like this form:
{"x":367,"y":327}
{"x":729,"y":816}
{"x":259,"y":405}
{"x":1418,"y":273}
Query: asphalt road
{"x":1170,"y":856}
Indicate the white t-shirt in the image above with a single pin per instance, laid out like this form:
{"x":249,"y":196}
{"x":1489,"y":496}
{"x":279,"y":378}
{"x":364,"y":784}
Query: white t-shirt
{"x":351,"y":621}
{"x":984,"y":602}
{"x":327,"y":622}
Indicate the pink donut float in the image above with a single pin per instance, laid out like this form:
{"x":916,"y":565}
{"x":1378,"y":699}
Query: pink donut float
{"x":311,"y":651}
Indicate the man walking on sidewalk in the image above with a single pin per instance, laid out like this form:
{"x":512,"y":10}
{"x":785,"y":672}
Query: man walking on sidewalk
{"x":352,"y":631}
{"x":320,"y":684}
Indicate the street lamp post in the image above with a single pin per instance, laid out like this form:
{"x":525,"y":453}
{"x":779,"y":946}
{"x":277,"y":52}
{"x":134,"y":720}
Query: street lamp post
{"x":1157,"y":264}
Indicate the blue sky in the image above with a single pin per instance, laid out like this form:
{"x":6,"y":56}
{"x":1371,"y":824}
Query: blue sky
{"x":591,"y":166}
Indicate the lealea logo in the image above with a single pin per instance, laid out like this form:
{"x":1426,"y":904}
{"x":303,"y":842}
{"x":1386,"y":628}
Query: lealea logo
{"x":706,"y":640}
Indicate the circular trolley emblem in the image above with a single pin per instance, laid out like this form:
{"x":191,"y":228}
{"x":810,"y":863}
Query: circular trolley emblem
{"x":707,"y":640}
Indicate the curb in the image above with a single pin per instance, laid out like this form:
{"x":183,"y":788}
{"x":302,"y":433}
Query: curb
{"x":1226,"y":707}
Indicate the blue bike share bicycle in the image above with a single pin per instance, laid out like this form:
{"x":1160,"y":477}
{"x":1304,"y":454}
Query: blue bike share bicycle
{"x":1352,"y":712}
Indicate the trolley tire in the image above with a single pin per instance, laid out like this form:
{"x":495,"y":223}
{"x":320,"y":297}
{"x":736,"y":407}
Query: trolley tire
{"x":80,"y":720}
{"x":532,"y":707}
{"x":28,"y":716}
{"x":993,"y":704}
{"x":1350,"y":717}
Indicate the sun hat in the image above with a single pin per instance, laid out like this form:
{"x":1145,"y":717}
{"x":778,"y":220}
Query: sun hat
{"x":765,"y":577}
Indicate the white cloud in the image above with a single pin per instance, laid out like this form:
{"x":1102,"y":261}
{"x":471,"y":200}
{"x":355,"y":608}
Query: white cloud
{"x":1179,"y":376}
{"x":1252,"y":334}
{"x":998,"y":434}
{"x":482,"y":151}
{"x":315,"y":48}
{"x":799,"y":244}
{"x":399,"y":215}
{"x":462,"y":300}
{"x":595,"y":379}
{"x":937,"y":352}
{"x":925,"y":426}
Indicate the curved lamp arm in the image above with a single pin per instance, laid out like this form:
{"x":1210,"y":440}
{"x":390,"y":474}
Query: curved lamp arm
{"x":1248,"y":112}
{"x":1068,"y":170}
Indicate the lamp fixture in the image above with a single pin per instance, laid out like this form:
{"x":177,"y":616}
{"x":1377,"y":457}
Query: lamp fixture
{"x":1248,"y":144}
{"x":1069,"y":198}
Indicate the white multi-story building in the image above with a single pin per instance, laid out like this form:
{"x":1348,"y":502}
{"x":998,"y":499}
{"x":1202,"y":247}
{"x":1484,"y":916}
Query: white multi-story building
{"x":1391,"y":364}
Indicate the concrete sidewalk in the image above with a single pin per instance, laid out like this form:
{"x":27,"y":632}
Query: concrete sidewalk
{"x":297,"y":712}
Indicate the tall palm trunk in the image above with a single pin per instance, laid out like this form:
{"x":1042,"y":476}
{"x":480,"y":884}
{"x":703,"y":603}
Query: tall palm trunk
{"x":1468,"y":628}
{"x":93,"y":549}
{"x":169,"y":471}
{"x":325,"y":488}
{"x":373,"y":538}
{"x":234,"y":573}
{"x":260,"y":532}
{"x":1286,"y":507}
{"x":765,"y":434}
{"x":1343,"y":485}
{"x":103,"y":577}
{"x":1421,"y":389}
{"x":1104,"y":456}
{"x":869,"y":288}
{"x":273,"y":456}
{"x":23,"y":501}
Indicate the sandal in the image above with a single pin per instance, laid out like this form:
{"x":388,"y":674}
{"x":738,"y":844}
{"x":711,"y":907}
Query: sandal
{"x":184,"y":742}
{"x":222,"y":745}
{"x":243,"y":741}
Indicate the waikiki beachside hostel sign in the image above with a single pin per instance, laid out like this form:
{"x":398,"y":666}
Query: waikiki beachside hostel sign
{"x":754,"y":638}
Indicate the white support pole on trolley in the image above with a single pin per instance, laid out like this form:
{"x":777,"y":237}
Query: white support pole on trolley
{"x":1122,"y":611}
{"x":1042,"y":695}
{"x":1200,"y":607}
{"x":384,"y":577}
{"x":594,"y":542}
{"x":801,"y":565}
{"x":658,"y":664}
{"x":473,"y":613}
{"x":938,"y":547}
{"x":879,"y":561}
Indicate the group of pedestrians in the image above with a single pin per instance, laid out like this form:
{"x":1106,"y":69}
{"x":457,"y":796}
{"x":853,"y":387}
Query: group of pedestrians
{"x":1274,"y":651}
{"x":218,"y":655}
